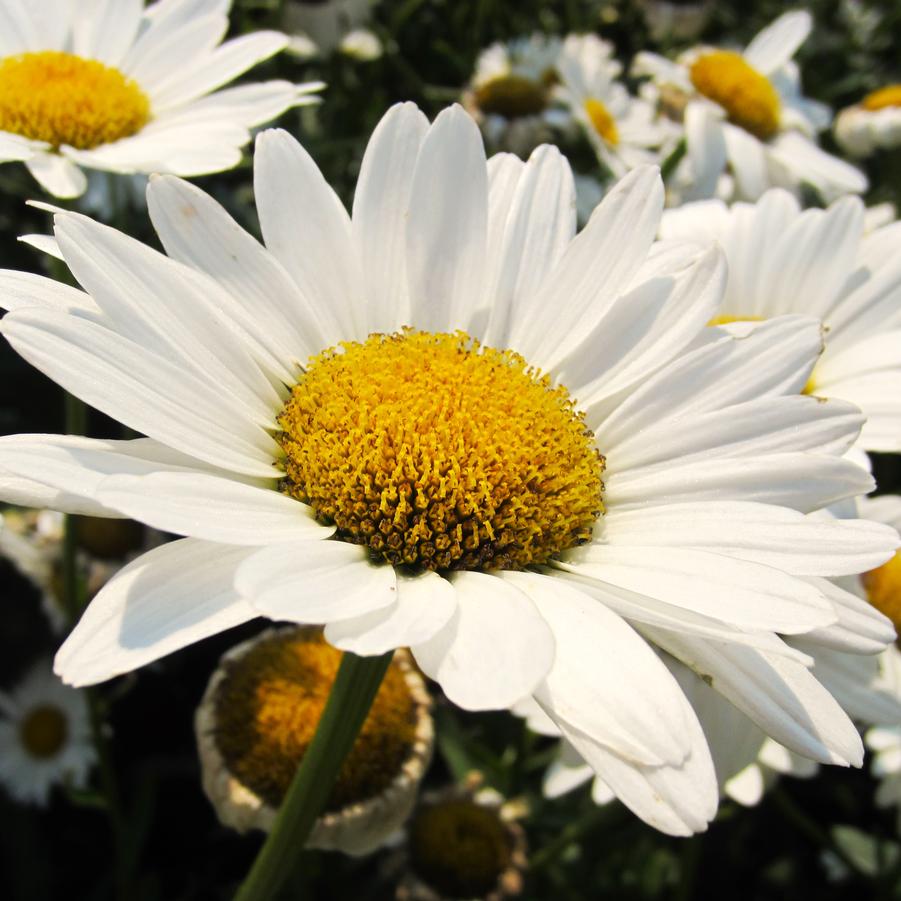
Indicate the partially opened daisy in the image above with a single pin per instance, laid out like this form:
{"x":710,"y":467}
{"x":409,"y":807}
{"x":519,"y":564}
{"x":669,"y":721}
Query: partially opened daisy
{"x":874,"y":123}
{"x":110,"y":85}
{"x":818,"y":263}
{"x":448,"y":422}
{"x":745,"y":110}
{"x":45,"y":737}
{"x":512,"y":92}
{"x":624,"y":130}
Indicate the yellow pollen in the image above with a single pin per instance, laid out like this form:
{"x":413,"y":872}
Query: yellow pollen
{"x":748,"y":97}
{"x":269,"y":704}
{"x":64,"y":99}
{"x":44,"y":731}
{"x":601,"y":120}
{"x":436,"y":452}
{"x":512,"y":96}
{"x":883,"y":587}
{"x":884,"y":97}
{"x":459,"y":848}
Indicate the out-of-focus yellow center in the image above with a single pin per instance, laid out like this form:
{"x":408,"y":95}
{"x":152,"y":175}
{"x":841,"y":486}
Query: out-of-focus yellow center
{"x":459,"y":848}
{"x":749,"y":98}
{"x":887,"y":96}
{"x":883,"y":587}
{"x":63,"y":99}
{"x":602,"y":121}
{"x":437,"y":452}
{"x":269,"y":705}
{"x":512,"y":96}
{"x":43,"y":731}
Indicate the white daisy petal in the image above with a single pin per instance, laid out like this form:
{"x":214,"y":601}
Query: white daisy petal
{"x":139,"y":388}
{"x":105,"y":29}
{"x":25,"y":289}
{"x":773,"y":47}
{"x":861,"y":628}
{"x":761,"y":533}
{"x":446,"y":228}
{"x":168,"y":598}
{"x":476,"y":659}
{"x":747,"y":595}
{"x":605,"y":680}
{"x":315,"y":582}
{"x":380,"y":211}
{"x":780,"y":695}
{"x":201,"y":505}
{"x":298,"y":209}
{"x":57,"y":175}
{"x":425,"y":603}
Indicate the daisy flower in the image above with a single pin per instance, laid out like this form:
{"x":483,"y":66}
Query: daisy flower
{"x":105,"y":85}
{"x":324,"y":23}
{"x":448,"y":422}
{"x":874,"y":123}
{"x":464,"y":841}
{"x":624,"y":130}
{"x":745,"y":110}
{"x":512,"y":91}
{"x":259,"y":714}
{"x":819,"y":263}
{"x":45,"y":737}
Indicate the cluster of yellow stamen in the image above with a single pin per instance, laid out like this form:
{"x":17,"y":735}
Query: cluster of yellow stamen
{"x":459,"y":848}
{"x":749,"y":98}
{"x":436,"y":452}
{"x":602,"y":121}
{"x":270,"y":702}
{"x":512,"y":96}
{"x":43,"y":731}
{"x":883,"y":587}
{"x":63,"y":99}
{"x":884,"y":97}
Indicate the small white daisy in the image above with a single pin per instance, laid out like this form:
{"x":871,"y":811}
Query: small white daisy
{"x":45,"y":737}
{"x":114,"y":86}
{"x":745,"y":110}
{"x":624,"y":130}
{"x":512,"y":91}
{"x":321,"y":26}
{"x":449,"y":422}
{"x":874,"y":123}
{"x":819,"y":263}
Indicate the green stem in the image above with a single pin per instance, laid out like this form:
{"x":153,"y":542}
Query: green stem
{"x":673,"y":160}
{"x":355,"y":688}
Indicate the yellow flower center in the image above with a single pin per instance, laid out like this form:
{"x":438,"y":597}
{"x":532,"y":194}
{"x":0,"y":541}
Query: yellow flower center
{"x":64,"y":99}
{"x":437,"y":452}
{"x":459,"y":848}
{"x":601,"y":120}
{"x":883,"y":587}
{"x":269,"y":704}
{"x":748,"y":97}
{"x":44,"y":731}
{"x":512,"y":96}
{"x":887,"y":96}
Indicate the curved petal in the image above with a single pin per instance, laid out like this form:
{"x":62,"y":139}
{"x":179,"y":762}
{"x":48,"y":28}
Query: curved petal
{"x":776,"y":44}
{"x":315,"y":582}
{"x":494,"y":650}
{"x":168,"y":598}
{"x":425,"y":603}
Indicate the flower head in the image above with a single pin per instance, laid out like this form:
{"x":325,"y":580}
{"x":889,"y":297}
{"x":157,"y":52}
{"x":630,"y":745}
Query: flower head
{"x":873,"y":123}
{"x":692,"y":534}
{"x":94,"y":90}
{"x":259,"y":714}
{"x":820,"y":263}
{"x":744,"y":109}
{"x":45,"y":737}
